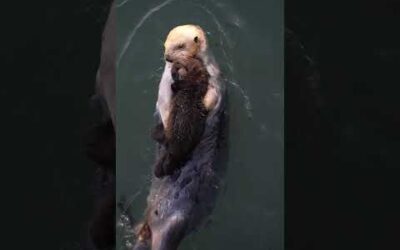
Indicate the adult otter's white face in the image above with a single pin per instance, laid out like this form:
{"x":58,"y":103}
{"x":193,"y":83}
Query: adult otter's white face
{"x":185,"y":41}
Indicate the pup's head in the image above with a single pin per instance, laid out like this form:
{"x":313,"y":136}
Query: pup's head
{"x":189,"y":69}
{"x":185,"y":41}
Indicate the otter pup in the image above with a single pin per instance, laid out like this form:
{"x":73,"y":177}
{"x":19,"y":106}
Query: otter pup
{"x":176,"y":207}
{"x":186,"y":122}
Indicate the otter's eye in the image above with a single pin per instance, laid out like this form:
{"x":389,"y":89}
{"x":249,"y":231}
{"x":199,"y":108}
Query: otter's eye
{"x":196,"y":39}
{"x":181,"y":46}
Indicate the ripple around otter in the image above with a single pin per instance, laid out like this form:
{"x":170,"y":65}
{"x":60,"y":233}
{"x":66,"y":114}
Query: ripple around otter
{"x":140,"y":23}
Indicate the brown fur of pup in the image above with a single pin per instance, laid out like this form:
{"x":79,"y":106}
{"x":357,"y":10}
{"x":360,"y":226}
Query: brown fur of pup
{"x":188,"y":115}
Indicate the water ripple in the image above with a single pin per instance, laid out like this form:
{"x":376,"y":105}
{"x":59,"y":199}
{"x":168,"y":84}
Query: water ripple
{"x":229,"y":63}
{"x":140,"y":23}
{"x":122,"y":3}
{"x":223,"y":40}
{"x":247,"y":103}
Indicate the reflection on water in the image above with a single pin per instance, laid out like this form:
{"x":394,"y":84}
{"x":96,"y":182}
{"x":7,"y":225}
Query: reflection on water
{"x":247,"y":41}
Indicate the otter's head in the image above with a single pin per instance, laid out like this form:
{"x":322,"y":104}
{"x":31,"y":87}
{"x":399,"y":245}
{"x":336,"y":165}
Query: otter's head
{"x":185,"y":41}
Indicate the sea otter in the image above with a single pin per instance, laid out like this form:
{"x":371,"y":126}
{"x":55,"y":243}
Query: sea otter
{"x":188,"y":114}
{"x":185,"y":44}
{"x":179,"y":203}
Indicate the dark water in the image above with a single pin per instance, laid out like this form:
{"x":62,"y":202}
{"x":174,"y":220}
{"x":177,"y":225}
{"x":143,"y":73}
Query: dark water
{"x":247,"y":40}
{"x":50,"y":53}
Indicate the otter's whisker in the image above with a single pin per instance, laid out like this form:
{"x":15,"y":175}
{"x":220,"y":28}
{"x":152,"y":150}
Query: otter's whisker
{"x":247,"y":102}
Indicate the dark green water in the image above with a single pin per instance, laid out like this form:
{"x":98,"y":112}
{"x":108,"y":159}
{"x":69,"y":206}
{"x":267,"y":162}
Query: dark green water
{"x":247,"y":40}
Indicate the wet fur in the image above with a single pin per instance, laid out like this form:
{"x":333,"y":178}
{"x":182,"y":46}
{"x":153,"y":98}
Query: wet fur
{"x":186,"y":122}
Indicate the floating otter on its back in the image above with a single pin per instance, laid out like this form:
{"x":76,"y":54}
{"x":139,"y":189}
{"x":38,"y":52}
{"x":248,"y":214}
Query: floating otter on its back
{"x":185,"y":124}
{"x":183,"y":112}
{"x":179,"y":203}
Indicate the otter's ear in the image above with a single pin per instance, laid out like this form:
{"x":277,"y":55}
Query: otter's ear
{"x":196,"y":39}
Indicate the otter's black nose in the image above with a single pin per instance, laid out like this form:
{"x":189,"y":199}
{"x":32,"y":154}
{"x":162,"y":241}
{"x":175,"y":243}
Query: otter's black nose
{"x":168,"y":58}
